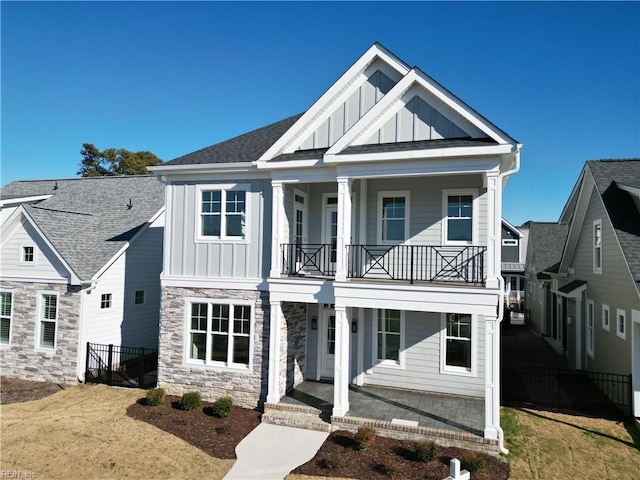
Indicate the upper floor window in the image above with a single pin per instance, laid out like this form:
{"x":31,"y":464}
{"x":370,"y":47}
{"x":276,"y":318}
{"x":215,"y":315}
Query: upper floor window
{"x":389,"y":337}
{"x":621,"y":323}
{"x":393,"y":217}
{"x":605,"y":317}
{"x":105,"y":300}
{"x":48,"y":320}
{"x":28,"y":255}
{"x":6,"y":312}
{"x":459,"y":217}
{"x":590,"y":329}
{"x":138,"y":298}
{"x":597,"y":246}
{"x":458,"y":344}
{"x":223,"y":213}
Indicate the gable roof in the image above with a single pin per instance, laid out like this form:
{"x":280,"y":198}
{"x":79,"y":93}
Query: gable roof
{"x":88,"y":220}
{"x":547,"y":241}
{"x":612,"y":179}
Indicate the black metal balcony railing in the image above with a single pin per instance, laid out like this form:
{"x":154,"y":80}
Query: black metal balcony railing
{"x":309,"y":259}
{"x":417,"y":263}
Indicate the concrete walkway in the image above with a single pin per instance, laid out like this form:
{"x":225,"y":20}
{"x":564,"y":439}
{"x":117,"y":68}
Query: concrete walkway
{"x":270,"y":452}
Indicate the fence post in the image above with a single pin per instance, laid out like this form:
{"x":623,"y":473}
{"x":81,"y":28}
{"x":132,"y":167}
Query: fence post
{"x":630,"y":397}
{"x":86,"y":363}
{"x":110,"y":364}
{"x":411,"y":247}
{"x":142,"y":365}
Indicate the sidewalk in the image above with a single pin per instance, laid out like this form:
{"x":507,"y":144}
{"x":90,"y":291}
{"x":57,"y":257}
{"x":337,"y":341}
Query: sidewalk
{"x":520,"y":345}
{"x":270,"y":452}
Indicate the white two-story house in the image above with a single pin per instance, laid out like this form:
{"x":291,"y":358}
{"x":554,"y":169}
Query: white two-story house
{"x":356,"y":243}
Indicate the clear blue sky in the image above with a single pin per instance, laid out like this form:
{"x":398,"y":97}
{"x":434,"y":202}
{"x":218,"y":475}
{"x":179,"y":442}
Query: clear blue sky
{"x":562,"y":78}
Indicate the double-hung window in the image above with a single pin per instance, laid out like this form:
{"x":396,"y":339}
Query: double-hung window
{"x":48,"y":320}
{"x":389,"y":337}
{"x":393,"y":217}
{"x":459,"y":217}
{"x":458,"y":344}
{"x":105,"y":301}
{"x":223,"y":213}
{"x":6,"y":313}
{"x":597,"y":246}
{"x":605,"y":317}
{"x":590,"y":329}
{"x":28,"y":255}
{"x":621,"y":323}
{"x":220,"y":333}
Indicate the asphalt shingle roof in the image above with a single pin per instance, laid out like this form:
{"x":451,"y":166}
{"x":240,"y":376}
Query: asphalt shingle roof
{"x":609,"y":175}
{"x":88,"y":220}
{"x":547,"y":240}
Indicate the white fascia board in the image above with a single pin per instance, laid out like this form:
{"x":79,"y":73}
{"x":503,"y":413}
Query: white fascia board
{"x":301,"y":290}
{"x":445,"y":152}
{"x":290,"y":164}
{"x":17,"y":201}
{"x":74,"y":279}
{"x":629,"y":189}
{"x":56,"y":280}
{"x":586,"y":187}
{"x":576,"y":293}
{"x":512,"y":228}
{"x":574,"y":193}
{"x":313,"y":175}
{"x":315,"y":114}
{"x":213,"y":282}
{"x":202,"y":168}
{"x":213,"y":176}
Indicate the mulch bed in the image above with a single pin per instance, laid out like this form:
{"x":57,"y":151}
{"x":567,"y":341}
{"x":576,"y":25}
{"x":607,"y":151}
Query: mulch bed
{"x":391,"y":459}
{"x":217,"y":437}
{"x":15,"y":390}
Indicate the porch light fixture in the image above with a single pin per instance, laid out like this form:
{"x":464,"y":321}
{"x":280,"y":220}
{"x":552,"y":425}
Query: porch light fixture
{"x":354,"y":326}
{"x":314,"y":323}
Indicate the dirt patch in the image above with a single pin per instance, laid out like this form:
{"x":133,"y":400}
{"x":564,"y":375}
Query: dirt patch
{"x":217,"y":437}
{"x":15,"y":390}
{"x":391,"y":459}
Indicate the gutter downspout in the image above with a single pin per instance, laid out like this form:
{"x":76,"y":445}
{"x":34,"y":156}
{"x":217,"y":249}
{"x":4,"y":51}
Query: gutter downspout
{"x":515,"y":169}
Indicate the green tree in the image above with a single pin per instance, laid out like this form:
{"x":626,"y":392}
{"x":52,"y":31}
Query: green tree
{"x":114,"y":161}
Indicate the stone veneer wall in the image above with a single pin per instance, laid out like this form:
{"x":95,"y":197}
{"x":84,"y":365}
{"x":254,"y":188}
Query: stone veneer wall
{"x":247,"y":388}
{"x":293,"y":346}
{"x":21,"y":359}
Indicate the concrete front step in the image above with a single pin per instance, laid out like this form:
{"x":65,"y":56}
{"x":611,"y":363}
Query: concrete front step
{"x":300,"y":416}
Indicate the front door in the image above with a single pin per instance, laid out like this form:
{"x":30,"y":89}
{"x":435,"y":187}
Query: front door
{"x":328,"y":343}
{"x":330,"y":237}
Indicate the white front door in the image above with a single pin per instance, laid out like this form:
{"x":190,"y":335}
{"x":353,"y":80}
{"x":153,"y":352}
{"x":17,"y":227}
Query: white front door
{"x":330,"y":236}
{"x":300,"y":227}
{"x":328,"y":343}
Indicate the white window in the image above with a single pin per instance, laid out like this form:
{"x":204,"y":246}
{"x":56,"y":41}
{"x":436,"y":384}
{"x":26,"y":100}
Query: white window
{"x":393,"y":217}
{"x":27,"y":255}
{"x":389,"y":341}
{"x":6,"y":314}
{"x":509,"y":242}
{"x":48,"y":319}
{"x":597,"y":246}
{"x":605,"y":317}
{"x":222,"y":212}
{"x":459,"y":217}
{"x":105,"y":301}
{"x":458,"y":346}
{"x":220,"y":333}
{"x":138,"y":298}
{"x":590,"y":330}
{"x":621,"y":323}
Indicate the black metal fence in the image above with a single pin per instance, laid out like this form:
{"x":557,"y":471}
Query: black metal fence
{"x":122,"y":366}
{"x":598,"y":394}
{"x":309,"y":259}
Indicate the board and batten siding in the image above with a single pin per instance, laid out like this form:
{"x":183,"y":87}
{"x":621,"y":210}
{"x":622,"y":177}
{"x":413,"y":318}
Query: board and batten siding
{"x":189,"y":256}
{"x":614,"y":287}
{"x":46,"y":265}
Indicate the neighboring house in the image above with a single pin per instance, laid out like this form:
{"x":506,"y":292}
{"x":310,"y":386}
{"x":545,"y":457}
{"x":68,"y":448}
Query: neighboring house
{"x":514,"y":252}
{"x":357,"y":243}
{"x":80,"y":262}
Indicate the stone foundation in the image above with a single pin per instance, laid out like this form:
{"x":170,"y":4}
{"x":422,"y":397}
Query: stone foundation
{"x":20,"y":359}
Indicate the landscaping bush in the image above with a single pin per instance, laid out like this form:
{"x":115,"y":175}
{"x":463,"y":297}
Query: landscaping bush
{"x":190,"y":400}
{"x":425,"y":451}
{"x":474,"y":463}
{"x":365,"y":438}
{"x":223,"y":429}
{"x":221,"y":408}
{"x":155,"y":396}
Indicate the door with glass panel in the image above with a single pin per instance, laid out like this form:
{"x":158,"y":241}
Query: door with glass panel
{"x":328,"y":343}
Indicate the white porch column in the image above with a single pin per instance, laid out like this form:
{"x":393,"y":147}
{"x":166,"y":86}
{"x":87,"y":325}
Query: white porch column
{"x":578,"y":321}
{"x":344,"y":227}
{"x":635,"y":365}
{"x":273,"y":394}
{"x":341,"y":367}
{"x":494,"y":222}
{"x":359,"y":380}
{"x":492,"y":380}
{"x":277,"y":227}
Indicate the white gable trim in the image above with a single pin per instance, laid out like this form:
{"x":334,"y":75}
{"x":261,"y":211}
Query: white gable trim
{"x":12,"y":224}
{"x":345,"y":85}
{"x":12,"y":201}
{"x":512,"y":228}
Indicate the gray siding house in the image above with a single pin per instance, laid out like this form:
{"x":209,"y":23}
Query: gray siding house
{"x":357,"y":243}
{"x":514,"y":252}
{"x":80,"y":261}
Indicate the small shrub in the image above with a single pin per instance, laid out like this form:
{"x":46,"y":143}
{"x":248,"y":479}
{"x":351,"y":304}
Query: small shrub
{"x":190,"y":400}
{"x":365,"y":438}
{"x":223,"y":429}
{"x":329,"y":463}
{"x":474,"y":463}
{"x":425,"y":451}
{"x":155,"y":396}
{"x":221,"y":408}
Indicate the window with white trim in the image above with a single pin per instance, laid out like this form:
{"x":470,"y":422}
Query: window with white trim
{"x":621,"y":323}
{"x":393,"y":217}
{"x":6,"y":314}
{"x":458,"y":344}
{"x":105,"y":301}
{"x":509,"y":242}
{"x":220,"y":333}
{"x":590,"y":329}
{"x":390,"y":337}
{"x":223,"y":213}
{"x":459,"y":217}
{"x":138,"y":298}
{"x":48,"y":319}
{"x":27,"y":255}
{"x":597,"y":246}
{"x":605,"y":317}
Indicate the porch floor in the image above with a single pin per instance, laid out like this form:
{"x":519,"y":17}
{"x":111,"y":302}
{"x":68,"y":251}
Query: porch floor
{"x":446,"y":412}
